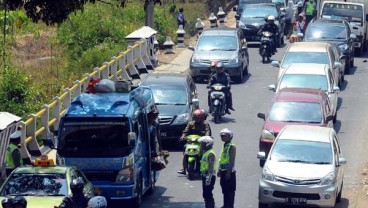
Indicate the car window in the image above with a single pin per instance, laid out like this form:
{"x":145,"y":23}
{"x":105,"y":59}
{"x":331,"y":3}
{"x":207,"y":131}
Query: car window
{"x":170,"y":95}
{"x":304,"y":81}
{"x":217,"y":43}
{"x":305,"y":57}
{"x":326,"y":32}
{"x":301,"y":151}
{"x":296,"y":112}
{"x":256,"y":11}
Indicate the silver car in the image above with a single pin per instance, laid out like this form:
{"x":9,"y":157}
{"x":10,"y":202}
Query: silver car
{"x":304,"y":167}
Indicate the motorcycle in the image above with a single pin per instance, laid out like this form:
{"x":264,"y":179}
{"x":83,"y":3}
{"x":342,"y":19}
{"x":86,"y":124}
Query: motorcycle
{"x":265,"y":47}
{"x":217,"y":101}
{"x":193,"y":152}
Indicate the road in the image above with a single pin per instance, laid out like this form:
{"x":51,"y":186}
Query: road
{"x":251,"y":97}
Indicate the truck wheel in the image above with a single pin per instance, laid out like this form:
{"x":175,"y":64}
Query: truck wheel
{"x":138,"y":200}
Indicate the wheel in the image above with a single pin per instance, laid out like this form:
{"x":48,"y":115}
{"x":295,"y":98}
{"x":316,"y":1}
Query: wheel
{"x":153,"y":185}
{"x":191,"y":169}
{"x":347,"y":66}
{"x":264,"y":56}
{"x":138,"y":200}
{"x":262,"y":205}
{"x":239,"y":79}
{"x":338,"y":198}
{"x":261,"y":163}
{"x":335,"y":118}
{"x":246,"y":68}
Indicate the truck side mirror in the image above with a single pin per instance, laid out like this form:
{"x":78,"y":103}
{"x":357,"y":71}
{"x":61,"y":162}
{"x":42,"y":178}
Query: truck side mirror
{"x":132,"y":139}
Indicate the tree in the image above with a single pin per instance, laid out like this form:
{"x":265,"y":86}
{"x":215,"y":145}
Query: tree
{"x":56,"y":11}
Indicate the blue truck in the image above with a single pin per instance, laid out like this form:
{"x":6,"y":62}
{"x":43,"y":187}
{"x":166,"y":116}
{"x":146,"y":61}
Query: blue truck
{"x":107,"y":136}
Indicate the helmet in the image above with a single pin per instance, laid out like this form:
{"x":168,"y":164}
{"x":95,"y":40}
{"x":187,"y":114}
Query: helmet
{"x":181,"y":9}
{"x":97,"y":202}
{"x":199,"y":115}
{"x":77,"y":185}
{"x":219,"y":67}
{"x":16,"y":135}
{"x":208,"y":140}
{"x":7,"y":202}
{"x":213,"y":65}
{"x":271,"y":18}
{"x":226,"y":131}
{"x":19,"y":201}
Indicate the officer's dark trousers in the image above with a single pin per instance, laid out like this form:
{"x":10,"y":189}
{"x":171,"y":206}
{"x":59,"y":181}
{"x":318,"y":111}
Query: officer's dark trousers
{"x":207,"y":192}
{"x":228,"y":189}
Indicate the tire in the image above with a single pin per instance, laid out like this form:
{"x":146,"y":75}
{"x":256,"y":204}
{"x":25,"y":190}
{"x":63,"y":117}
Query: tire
{"x":264,"y":54}
{"x":138,"y":200}
{"x":153,"y":185}
{"x":262,"y":205}
{"x":335,"y":118}
{"x":261,"y":163}
{"x":217,"y":116}
{"x":338,"y":198}
{"x":191,"y":169}
{"x":246,"y":72}
{"x":359,"y":52}
{"x":239,"y":79}
{"x":347,"y":66}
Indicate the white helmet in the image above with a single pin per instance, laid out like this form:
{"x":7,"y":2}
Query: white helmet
{"x":226,"y":131}
{"x":271,"y":18}
{"x":97,"y":202}
{"x":206,"y":139}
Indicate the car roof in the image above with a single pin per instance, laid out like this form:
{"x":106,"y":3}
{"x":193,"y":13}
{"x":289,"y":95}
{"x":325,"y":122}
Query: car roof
{"x":305,"y":133}
{"x":40,"y":170}
{"x":299,"y":95}
{"x":327,"y":21}
{"x":307,"y":68}
{"x":308,"y":47}
{"x":223,"y":31}
{"x":178,"y":79}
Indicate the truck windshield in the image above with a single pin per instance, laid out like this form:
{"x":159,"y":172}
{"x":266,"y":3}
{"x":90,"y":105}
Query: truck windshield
{"x":94,"y":139}
{"x":351,"y":13}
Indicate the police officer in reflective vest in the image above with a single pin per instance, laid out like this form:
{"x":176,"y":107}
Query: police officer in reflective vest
{"x":208,"y":170}
{"x":226,"y":170}
{"x":310,"y":7}
{"x":13,"y":157}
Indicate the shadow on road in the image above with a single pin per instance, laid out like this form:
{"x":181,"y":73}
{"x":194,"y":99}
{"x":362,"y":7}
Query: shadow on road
{"x":352,"y":70}
{"x":337,"y":126}
{"x":339,"y":103}
{"x":344,"y":85}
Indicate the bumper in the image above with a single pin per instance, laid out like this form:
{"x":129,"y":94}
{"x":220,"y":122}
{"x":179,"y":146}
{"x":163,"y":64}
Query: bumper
{"x":281,"y":193}
{"x":114,"y":191}
{"x":198,"y":70}
{"x":172,"y":132}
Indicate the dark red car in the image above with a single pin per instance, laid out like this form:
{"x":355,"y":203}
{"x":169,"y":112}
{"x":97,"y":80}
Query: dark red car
{"x":294,"y":106}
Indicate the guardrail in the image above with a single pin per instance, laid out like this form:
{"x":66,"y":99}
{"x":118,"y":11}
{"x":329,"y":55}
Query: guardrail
{"x":128,"y":65}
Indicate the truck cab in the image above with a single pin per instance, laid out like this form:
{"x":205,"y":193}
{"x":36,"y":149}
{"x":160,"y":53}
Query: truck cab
{"x":106,"y":135}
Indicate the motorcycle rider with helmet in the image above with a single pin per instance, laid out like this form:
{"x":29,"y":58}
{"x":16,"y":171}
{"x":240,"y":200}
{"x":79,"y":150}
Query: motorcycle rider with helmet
{"x":97,"y":202}
{"x":198,"y":126}
{"x":7,"y":202}
{"x":19,"y":202}
{"x":77,"y":199}
{"x":213,"y":69}
{"x":271,"y":27}
{"x":223,"y":78}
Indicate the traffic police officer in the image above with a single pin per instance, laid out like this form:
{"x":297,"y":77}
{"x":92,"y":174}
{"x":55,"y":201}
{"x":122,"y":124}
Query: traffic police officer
{"x":208,"y":170}
{"x":13,"y":157}
{"x":226,"y":170}
{"x":310,"y":6}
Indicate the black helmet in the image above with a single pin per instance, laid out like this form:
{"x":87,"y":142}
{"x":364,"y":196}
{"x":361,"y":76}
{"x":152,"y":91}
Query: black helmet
{"x":19,"y":202}
{"x":181,"y":9}
{"x":77,"y":185}
{"x":219,"y":67}
{"x":7,"y":202}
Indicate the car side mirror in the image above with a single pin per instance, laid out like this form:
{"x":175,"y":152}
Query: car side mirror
{"x":329,"y":118}
{"x":235,"y":8}
{"x":337,"y":64}
{"x":342,"y":161}
{"x":336,"y":89}
{"x":191,"y":47}
{"x":261,"y":155}
{"x":352,"y":36}
{"x":132,"y":137}
{"x":275,"y":63}
{"x":195,"y":102}
{"x":272,"y":87}
{"x":343,"y":56}
{"x":261,"y":115}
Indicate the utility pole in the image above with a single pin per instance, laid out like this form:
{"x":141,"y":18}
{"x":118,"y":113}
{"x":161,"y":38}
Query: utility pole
{"x":149,"y":13}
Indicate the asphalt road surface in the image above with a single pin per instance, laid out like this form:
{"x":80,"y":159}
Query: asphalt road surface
{"x":249,"y":98}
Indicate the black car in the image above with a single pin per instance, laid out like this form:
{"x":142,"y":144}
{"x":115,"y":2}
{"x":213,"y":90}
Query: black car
{"x":176,"y":98}
{"x":336,"y":31}
{"x":254,"y":17}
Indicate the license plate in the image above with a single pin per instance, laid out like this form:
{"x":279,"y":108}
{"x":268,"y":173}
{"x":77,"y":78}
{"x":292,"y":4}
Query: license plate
{"x":163,"y":134}
{"x":296,"y":200}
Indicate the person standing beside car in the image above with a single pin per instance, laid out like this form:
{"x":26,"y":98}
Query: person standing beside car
{"x":13,"y":157}
{"x":310,"y":7}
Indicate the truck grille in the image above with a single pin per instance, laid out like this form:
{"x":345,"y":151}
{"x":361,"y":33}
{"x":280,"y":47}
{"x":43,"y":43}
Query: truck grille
{"x":103,"y":175}
{"x":165,"y":120}
{"x":281,"y":194}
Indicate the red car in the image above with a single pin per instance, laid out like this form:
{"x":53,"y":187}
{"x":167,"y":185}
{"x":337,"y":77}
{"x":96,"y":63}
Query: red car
{"x":294,"y":106}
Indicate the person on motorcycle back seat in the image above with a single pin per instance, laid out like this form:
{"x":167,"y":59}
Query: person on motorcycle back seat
{"x":271,"y":27}
{"x":223,"y":78}
{"x":197,"y":126}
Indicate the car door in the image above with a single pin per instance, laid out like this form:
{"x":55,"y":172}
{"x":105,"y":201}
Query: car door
{"x":333,"y":59}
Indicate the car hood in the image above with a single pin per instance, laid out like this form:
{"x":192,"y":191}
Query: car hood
{"x":172,"y":110}
{"x":276,"y":127}
{"x":216,"y":55}
{"x":257,"y":22}
{"x":298,"y":170}
{"x":42,"y":201}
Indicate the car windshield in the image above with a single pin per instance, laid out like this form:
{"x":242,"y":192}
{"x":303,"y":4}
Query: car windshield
{"x":170,"y":95}
{"x":300,"y":151}
{"x":342,"y":11}
{"x":35,"y":184}
{"x":325,"y":32}
{"x":217,"y":43}
{"x":108,"y":138}
{"x":296,"y":112}
{"x":258,"y":11}
{"x":279,"y":3}
{"x":305,"y":57}
{"x":310,"y":81}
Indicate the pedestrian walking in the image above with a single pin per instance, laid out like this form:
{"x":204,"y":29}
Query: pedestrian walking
{"x":13,"y":157}
{"x":208,"y":170}
{"x":181,"y":18}
{"x":226,"y":170}
{"x":310,"y":8}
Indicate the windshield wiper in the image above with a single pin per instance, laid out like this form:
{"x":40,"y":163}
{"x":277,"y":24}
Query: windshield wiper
{"x":178,"y":104}
{"x":163,"y":104}
{"x":295,"y":161}
{"x":321,"y":163}
{"x":293,"y":121}
{"x":313,"y":122}
{"x":23,"y":194}
{"x":55,"y":194}
{"x":229,"y":49}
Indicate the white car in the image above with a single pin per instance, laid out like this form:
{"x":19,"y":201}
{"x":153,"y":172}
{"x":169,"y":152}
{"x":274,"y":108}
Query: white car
{"x":312,"y":52}
{"x":313,"y":76}
{"x":304,"y":167}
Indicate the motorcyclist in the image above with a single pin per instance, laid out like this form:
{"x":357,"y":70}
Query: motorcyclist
{"x":271,"y":27}
{"x":198,"y":126}
{"x":97,"y":202}
{"x":7,"y":202}
{"x":19,"y":202}
{"x":223,"y":78}
{"x":78,"y":199}
{"x":213,"y":69}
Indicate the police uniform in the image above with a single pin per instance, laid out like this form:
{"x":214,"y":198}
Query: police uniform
{"x":207,"y":189}
{"x":228,"y":186}
{"x":13,"y":157}
{"x":309,"y":10}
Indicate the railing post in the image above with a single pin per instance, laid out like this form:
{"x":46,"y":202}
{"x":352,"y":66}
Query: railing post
{"x":146,"y":49}
{"x":114,"y":67}
{"x":133,"y":72}
{"x":32,"y":145}
{"x":98,"y":72}
{"x":169,"y":45}
{"x":56,"y":110}
{"x":213,"y":20}
{"x":199,"y":26}
{"x":221,"y":16}
{"x":77,"y":91}
{"x":24,"y":150}
{"x":139,"y":55}
{"x":68,"y":99}
{"x":85,"y":84}
{"x":45,"y":121}
{"x":106,"y":72}
{"x":180,"y":33}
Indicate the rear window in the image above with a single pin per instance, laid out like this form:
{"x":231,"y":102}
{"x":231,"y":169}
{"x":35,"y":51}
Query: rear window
{"x":305,"y":57}
{"x":310,"y":81}
{"x":296,"y":112}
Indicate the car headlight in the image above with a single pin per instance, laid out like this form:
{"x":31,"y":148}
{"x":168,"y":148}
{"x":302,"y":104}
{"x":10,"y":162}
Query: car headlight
{"x":195,"y":59}
{"x":182,"y":118}
{"x":125,"y":175}
{"x":344,"y":47}
{"x":241,"y":25}
{"x":234,"y":60}
{"x":267,"y":174}
{"x":329,"y":179}
{"x":267,"y":135}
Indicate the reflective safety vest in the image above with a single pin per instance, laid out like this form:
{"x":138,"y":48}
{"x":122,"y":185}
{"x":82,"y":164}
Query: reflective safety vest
{"x":9,"y":157}
{"x":310,"y":8}
{"x":225,"y":156}
{"x":205,"y":163}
